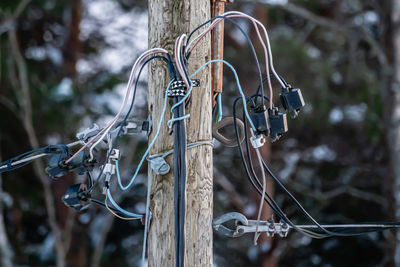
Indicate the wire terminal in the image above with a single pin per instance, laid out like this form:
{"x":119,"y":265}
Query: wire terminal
{"x":278,"y":123}
{"x":259,"y":116}
{"x":257,"y":141}
{"x":292,"y":100}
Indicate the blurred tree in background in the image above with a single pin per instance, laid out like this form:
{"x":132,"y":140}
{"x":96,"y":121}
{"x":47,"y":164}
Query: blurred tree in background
{"x":64,"y":64}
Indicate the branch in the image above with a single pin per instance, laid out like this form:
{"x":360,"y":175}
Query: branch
{"x":98,"y":251}
{"x":342,"y":28}
{"x":229,"y":189}
{"x":9,"y":22}
{"x":308,"y":15}
{"x":345,"y":189}
{"x":6,"y":253}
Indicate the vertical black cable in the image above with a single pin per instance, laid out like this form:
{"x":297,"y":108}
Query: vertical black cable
{"x":176,"y":183}
{"x":182,"y":182}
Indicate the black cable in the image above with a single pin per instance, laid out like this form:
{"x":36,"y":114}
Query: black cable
{"x":176,"y":184}
{"x":182,"y":185}
{"x":297,"y":203}
{"x":103,"y":205}
{"x":47,"y":150}
{"x":267,"y":198}
{"x":248,"y":40}
{"x":90,"y":179}
{"x":271,"y":75}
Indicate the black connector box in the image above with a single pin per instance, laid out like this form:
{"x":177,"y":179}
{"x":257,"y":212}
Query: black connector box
{"x":76,"y":196}
{"x":259,"y":116}
{"x":278,"y":123}
{"x":292,"y":100}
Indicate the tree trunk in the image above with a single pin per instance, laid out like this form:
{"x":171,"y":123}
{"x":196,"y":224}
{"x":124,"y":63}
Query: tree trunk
{"x":167,"y":20}
{"x":394,"y":130}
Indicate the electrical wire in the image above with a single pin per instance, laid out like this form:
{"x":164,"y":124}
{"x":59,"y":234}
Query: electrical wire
{"x":115,"y":214}
{"x":150,"y":145}
{"x":253,"y":179}
{"x":248,"y":39}
{"x":171,"y":71}
{"x":127,"y":213}
{"x":27,"y":157}
{"x":106,"y":129}
{"x":237,"y":82}
{"x":198,"y":38}
{"x":276,"y":209}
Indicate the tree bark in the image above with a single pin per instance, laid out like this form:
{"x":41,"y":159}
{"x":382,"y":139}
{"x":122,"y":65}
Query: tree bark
{"x":167,"y":20}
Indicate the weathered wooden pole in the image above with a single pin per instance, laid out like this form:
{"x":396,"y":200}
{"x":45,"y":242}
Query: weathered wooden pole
{"x":167,"y":20}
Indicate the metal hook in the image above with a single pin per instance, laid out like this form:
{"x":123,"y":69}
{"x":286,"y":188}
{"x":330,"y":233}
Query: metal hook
{"x":237,"y":217}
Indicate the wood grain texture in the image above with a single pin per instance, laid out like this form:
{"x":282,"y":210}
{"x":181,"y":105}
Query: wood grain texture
{"x":167,"y":20}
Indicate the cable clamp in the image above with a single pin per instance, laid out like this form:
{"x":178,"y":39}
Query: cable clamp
{"x":269,"y":227}
{"x":115,"y":154}
{"x":257,"y":141}
{"x":88,"y":133}
{"x":178,"y":88}
{"x":243,"y":226}
{"x":134,"y":126}
{"x":159,"y":165}
{"x":106,"y":184}
{"x":109,"y":168}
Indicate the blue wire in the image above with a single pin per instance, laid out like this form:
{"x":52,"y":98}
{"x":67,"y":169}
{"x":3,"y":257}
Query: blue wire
{"x":237,"y":81}
{"x":127,"y":213}
{"x":148,"y":149}
{"x":169,"y":123}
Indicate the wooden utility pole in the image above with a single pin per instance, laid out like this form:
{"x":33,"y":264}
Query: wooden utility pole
{"x":167,"y":20}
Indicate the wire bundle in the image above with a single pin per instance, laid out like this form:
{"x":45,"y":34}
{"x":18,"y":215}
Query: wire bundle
{"x":178,"y":71}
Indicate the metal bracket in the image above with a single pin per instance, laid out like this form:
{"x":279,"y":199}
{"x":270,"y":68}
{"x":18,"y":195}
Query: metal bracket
{"x":86,"y":134}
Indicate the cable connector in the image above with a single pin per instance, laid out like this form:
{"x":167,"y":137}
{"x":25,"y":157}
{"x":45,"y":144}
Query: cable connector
{"x":106,"y":184}
{"x":259,"y":116}
{"x":76,"y":196}
{"x":278,"y":123}
{"x":115,"y":154}
{"x":292,"y":100}
{"x":257,"y":141}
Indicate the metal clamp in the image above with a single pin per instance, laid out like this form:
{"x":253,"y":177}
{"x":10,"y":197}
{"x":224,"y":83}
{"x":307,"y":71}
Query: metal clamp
{"x":89,"y":132}
{"x":269,"y":227}
{"x":236,"y":217}
{"x":134,"y":126}
{"x":244,"y":226}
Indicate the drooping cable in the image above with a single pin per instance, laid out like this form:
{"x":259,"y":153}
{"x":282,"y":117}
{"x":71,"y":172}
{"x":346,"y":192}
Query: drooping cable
{"x":255,"y":182}
{"x":95,"y":139}
{"x":171,"y":71}
{"x":248,"y":39}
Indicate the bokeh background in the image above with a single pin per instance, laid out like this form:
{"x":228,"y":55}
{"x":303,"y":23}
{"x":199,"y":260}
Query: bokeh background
{"x":64,"y":66}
